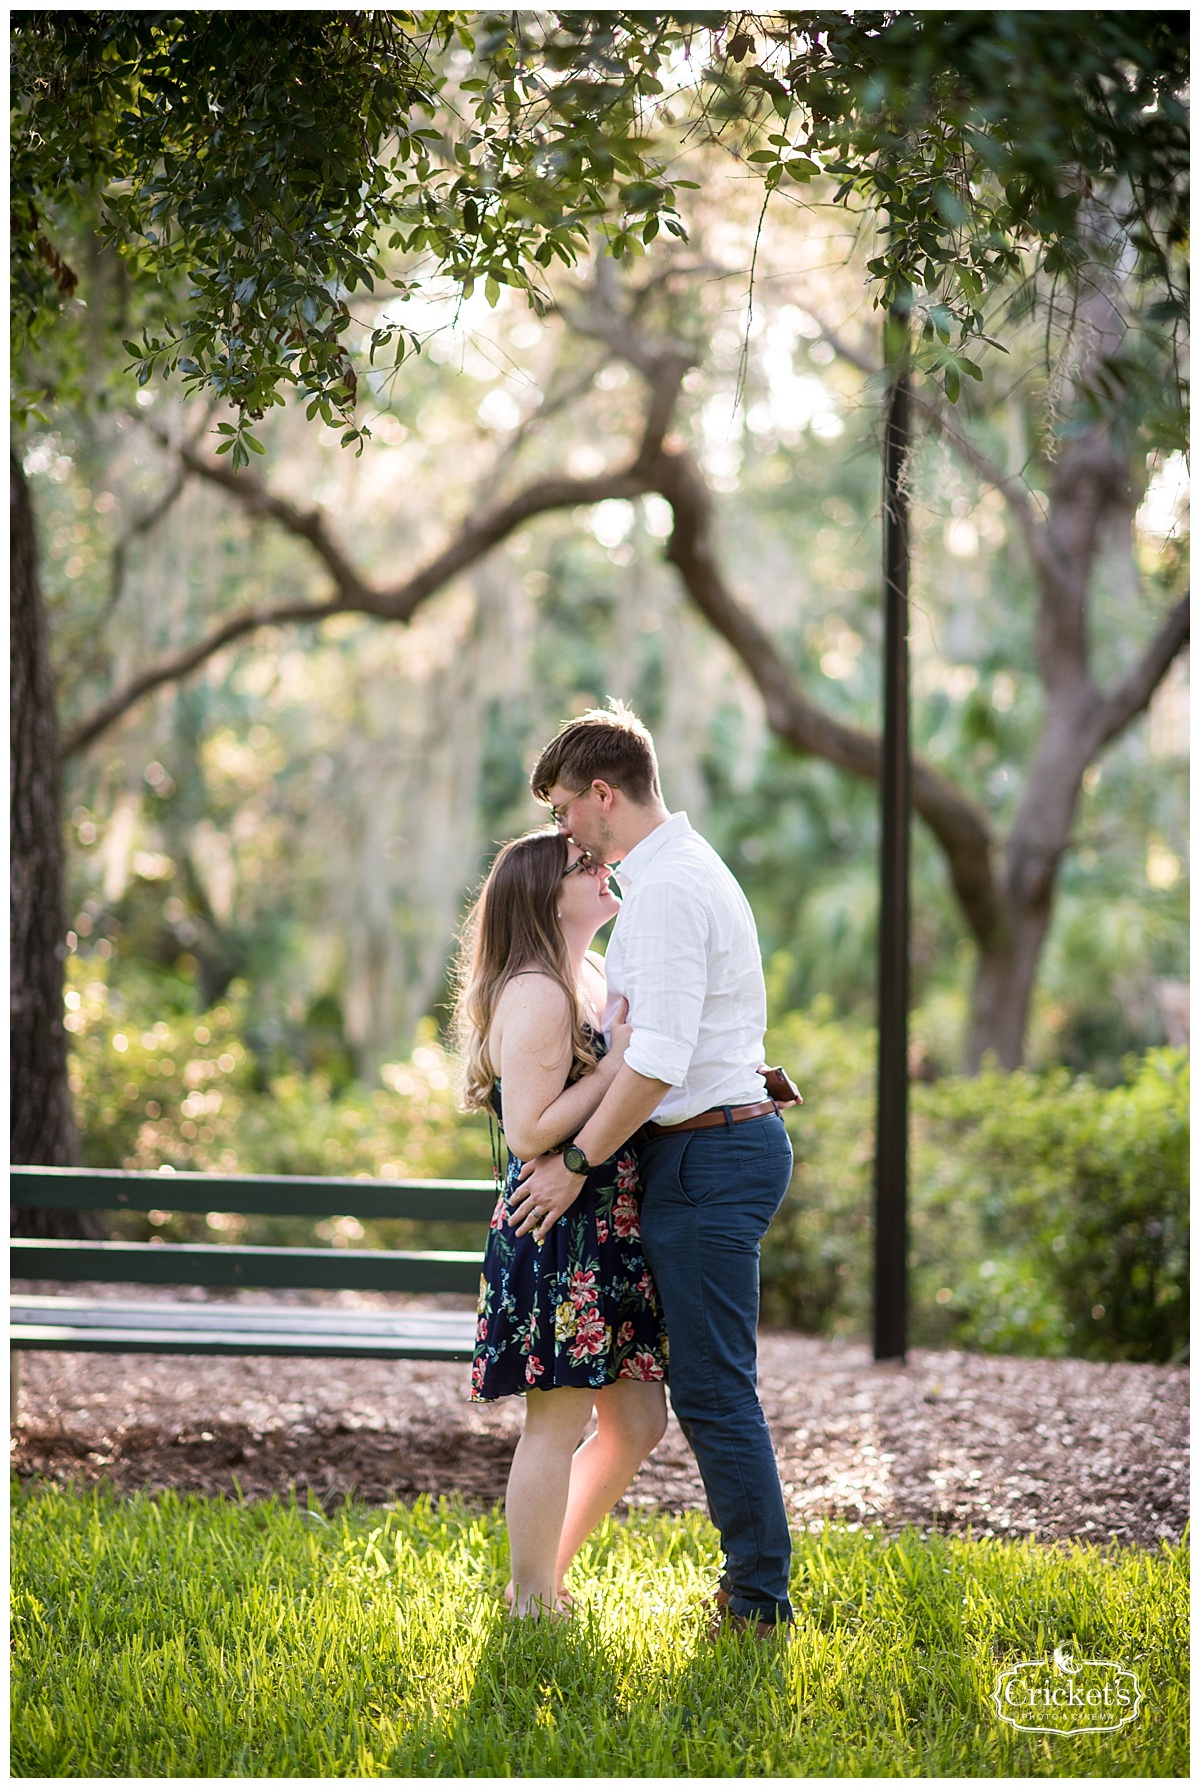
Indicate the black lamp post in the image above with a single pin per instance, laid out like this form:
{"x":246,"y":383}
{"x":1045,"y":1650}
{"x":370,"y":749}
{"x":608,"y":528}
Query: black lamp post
{"x":891,"y":1125}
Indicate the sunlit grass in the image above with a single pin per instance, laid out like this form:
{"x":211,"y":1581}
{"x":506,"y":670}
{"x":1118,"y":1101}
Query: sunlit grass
{"x":167,"y":1636}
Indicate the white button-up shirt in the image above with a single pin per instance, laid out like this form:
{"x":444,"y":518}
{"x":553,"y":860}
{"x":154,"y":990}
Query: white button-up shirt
{"x":684,"y":953}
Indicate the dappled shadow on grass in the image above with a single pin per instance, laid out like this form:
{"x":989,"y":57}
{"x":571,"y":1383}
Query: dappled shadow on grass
{"x":539,"y":1685}
{"x":897,"y":1643}
{"x":573,"y":1698}
{"x":199,"y":1636}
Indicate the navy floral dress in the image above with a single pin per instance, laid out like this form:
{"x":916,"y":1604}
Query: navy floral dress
{"x":580,"y":1310}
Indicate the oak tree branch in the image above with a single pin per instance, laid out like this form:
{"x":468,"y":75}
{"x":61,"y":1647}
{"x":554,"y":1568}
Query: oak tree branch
{"x":353,"y":594}
{"x":1014,"y":490}
{"x":959,"y":827}
{"x":1126,"y":700}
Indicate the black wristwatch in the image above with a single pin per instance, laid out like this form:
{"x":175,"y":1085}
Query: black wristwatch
{"x":574,"y":1159}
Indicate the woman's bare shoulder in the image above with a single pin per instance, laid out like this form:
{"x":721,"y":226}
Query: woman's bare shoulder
{"x":531,"y":992}
{"x":532,"y":982}
{"x":532,"y":1016}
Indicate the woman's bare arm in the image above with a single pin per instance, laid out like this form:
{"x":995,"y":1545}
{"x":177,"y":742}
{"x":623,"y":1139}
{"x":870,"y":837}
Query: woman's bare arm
{"x":531,"y":1034}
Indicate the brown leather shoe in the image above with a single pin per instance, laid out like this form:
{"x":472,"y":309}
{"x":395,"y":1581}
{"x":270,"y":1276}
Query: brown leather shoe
{"x":724,"y":1620}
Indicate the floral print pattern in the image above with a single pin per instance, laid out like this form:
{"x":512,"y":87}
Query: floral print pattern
{"x":580,"y":1310}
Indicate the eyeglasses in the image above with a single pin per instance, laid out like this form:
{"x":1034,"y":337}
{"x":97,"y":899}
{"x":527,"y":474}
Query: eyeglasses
{"x":559,"y":813}
{"x":584,"y":862}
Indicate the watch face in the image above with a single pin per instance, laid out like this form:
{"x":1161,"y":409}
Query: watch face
{"x":575,"y":1160}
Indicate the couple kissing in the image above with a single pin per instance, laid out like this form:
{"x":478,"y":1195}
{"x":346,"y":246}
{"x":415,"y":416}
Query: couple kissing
{"x":646,"y":1160}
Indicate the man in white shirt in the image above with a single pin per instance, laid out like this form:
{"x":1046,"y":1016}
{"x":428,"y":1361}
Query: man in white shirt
{"x":714,"y":1156}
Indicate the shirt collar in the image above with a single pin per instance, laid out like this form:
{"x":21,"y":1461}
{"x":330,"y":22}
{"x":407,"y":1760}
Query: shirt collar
{"x":635,"y":861}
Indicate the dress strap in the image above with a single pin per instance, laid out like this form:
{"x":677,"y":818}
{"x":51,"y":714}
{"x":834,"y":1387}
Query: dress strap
{"x":494,"y":1138}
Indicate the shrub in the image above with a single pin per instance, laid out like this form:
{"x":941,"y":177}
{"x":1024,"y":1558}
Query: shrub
{"x":816,"y":1254}
{"x":182,"y":1095}
{"x":1085,"y":1188}
{"x":153,"y":1093}
{"x":1047,"y":1215}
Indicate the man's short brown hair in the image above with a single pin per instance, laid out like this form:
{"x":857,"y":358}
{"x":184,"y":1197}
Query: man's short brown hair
{"x":610,"y":743}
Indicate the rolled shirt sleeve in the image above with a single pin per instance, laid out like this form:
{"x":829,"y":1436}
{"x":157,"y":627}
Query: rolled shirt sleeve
{"x":664,"y":977}
{"x":684,"y":952}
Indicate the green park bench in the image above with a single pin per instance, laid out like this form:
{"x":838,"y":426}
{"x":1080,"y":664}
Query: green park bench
{"x":115,"y":1325}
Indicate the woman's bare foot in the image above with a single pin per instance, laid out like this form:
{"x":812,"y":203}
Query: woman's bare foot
{"x":564,"y":1606}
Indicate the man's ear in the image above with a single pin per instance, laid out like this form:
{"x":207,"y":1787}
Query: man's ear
{"x":606,"y":793}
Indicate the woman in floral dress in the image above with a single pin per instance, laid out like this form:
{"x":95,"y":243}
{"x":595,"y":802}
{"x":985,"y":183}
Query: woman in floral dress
{"x":568,"y":1314}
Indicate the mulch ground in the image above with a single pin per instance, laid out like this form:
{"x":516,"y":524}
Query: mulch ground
{"x":952,"y":1441}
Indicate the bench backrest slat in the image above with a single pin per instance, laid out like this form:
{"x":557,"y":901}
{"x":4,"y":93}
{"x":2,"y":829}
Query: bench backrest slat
{"x":272,"y":1195}
{"x":203,"y":1263}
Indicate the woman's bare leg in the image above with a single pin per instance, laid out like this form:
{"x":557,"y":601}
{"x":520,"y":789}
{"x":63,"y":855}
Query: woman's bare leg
{"x":538,"y":1487}
{"x":631,"y":1418}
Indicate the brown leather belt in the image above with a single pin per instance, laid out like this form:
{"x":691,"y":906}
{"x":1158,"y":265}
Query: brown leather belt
{"x":708,"y":1120}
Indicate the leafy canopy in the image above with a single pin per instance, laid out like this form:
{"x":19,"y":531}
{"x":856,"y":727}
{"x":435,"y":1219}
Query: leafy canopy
{"x":255,"y":166}
{"x":993,"y":142}
{"x":252,"y":169}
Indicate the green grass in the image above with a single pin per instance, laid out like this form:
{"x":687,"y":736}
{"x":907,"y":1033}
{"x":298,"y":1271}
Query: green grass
{"x":167,"y":1636}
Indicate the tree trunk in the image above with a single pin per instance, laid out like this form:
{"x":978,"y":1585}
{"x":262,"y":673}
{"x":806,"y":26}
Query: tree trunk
{"x":43,"y":1123}
{"x":1003,"y":987}
{"x":1090,"y":487}
{"x":1008,"y":960}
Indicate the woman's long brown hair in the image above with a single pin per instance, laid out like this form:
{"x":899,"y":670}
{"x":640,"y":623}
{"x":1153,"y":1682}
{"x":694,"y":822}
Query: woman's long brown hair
{"x":512,"y":926}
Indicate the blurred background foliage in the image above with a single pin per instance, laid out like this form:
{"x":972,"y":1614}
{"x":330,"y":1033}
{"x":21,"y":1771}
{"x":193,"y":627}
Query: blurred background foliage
{"x":1049,"y":1215}
{"x":267,"y":862}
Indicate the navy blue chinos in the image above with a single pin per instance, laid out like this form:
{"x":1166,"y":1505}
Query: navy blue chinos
{"x":708,"y":1196}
